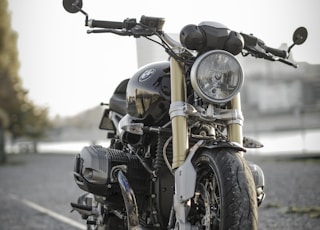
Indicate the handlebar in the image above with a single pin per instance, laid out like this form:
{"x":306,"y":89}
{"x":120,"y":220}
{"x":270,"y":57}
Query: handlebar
{"x":199,"y":38}
{"x":148,"y":26}
{"x":257,"y":48}
{"x":105,"y":24}
{"x":277,"y":52}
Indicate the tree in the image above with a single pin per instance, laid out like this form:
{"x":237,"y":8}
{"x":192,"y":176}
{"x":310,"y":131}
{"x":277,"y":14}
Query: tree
{"x":25,"y":118}
{"x":35,"y":122}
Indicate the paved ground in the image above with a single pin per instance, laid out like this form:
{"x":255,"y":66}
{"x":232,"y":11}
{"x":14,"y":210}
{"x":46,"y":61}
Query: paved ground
{"x":45,"y":180}
{"x":35,"y":192}
{"x":293,"y":193}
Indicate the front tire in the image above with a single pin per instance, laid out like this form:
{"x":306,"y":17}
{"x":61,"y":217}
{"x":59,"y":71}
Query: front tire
{"x":225,"y":196}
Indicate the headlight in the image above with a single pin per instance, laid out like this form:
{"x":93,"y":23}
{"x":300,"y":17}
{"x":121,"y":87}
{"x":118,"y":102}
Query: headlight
{"x":216,"y":76}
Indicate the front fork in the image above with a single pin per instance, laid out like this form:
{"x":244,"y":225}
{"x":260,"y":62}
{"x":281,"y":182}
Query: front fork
{"x":179,"y":120}
{"x":235,"y":125}
{"x":185,"y":174}
{"x":180,"y":142}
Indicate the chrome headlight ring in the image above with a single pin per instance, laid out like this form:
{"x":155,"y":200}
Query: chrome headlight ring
{"x":216,"y":76}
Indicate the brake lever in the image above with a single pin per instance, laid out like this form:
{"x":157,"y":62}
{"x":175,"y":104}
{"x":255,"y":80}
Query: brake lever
{"x":118,"y":32}
{"x":263,"y":55}
{"x":288,"y":62}
{"x":258,"y":52}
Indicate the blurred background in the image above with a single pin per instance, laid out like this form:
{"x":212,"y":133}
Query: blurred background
{"x":54,"y":75}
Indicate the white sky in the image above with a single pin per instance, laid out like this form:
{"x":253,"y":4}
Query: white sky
{"x":70,"y":71}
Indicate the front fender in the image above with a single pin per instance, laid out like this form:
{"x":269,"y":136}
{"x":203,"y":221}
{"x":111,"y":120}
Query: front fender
{"x":185,"y":175}
{"x":223,"y":144}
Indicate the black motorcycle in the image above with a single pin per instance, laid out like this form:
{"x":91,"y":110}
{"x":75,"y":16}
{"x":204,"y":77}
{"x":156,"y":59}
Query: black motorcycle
{"x":176,"y":154}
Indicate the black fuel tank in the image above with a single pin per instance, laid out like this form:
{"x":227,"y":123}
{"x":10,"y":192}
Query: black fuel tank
{"x":148,"y":94}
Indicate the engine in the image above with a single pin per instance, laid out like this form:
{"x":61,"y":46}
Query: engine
{"x":95,"y":168}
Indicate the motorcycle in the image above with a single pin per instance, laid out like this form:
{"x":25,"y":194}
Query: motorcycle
{"x":176,"y":158}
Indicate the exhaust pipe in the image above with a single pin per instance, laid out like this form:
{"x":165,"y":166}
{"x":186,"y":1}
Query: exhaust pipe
{"x":130,"y":202}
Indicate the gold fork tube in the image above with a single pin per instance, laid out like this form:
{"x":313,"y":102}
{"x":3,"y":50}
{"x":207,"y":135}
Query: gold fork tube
{"x":180,"y":141}
{"x":235,"y":129}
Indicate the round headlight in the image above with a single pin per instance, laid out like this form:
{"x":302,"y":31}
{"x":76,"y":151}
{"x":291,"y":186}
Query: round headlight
{"x":216,"y":76}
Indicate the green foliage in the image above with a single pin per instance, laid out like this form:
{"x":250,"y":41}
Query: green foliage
{"x":313,"y":212}
{"x":25,"y":118}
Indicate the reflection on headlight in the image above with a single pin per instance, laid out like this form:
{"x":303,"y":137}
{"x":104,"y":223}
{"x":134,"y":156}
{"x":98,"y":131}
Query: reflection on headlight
{"x":217,"y":76}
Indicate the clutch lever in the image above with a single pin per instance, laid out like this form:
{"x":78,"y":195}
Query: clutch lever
{"x":136,"y":31}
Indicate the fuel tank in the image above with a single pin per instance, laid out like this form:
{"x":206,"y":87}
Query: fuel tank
{"x":148,"y":94}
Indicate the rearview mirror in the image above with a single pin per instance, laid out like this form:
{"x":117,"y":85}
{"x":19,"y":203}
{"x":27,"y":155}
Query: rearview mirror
{"x":106,"y":123}
{"x":300,"y":35}
{"x":72,"y":6}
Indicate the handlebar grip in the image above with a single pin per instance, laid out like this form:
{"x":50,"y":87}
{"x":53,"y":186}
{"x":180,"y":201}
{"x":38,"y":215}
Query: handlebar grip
{"x":105,"y":24}
{"x":277,"y":52}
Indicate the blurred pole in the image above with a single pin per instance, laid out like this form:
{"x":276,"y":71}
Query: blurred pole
{"x":2,"y":152}
{"x":302,"y":130}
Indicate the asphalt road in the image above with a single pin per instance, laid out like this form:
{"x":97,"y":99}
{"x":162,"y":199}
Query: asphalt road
{"x":292,"y":193}
{"x":35,"y":192}
{"x":45,"y":180}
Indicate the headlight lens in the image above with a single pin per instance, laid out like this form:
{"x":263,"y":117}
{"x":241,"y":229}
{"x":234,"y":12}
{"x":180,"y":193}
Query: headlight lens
{"x":217,"y":76}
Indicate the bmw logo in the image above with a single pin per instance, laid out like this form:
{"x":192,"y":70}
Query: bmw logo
{"x":146,"y":74}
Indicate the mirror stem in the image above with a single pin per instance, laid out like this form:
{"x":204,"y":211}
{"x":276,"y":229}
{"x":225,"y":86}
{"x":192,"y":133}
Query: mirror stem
{"x":75,"y":5}
{"x":290,"y":47}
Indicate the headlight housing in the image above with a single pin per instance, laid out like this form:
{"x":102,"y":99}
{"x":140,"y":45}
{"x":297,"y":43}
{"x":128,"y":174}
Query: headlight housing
{"x":216,"y":76}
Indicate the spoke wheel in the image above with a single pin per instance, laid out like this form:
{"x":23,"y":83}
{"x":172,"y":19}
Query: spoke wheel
{"x":225,"y":193}
{"x":206,"y":202}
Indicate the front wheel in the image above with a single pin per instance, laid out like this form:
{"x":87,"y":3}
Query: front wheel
{"x":225,"y":196}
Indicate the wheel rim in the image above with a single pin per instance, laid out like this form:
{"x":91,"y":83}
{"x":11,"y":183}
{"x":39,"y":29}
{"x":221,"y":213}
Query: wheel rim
{"x":206,"y":204}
